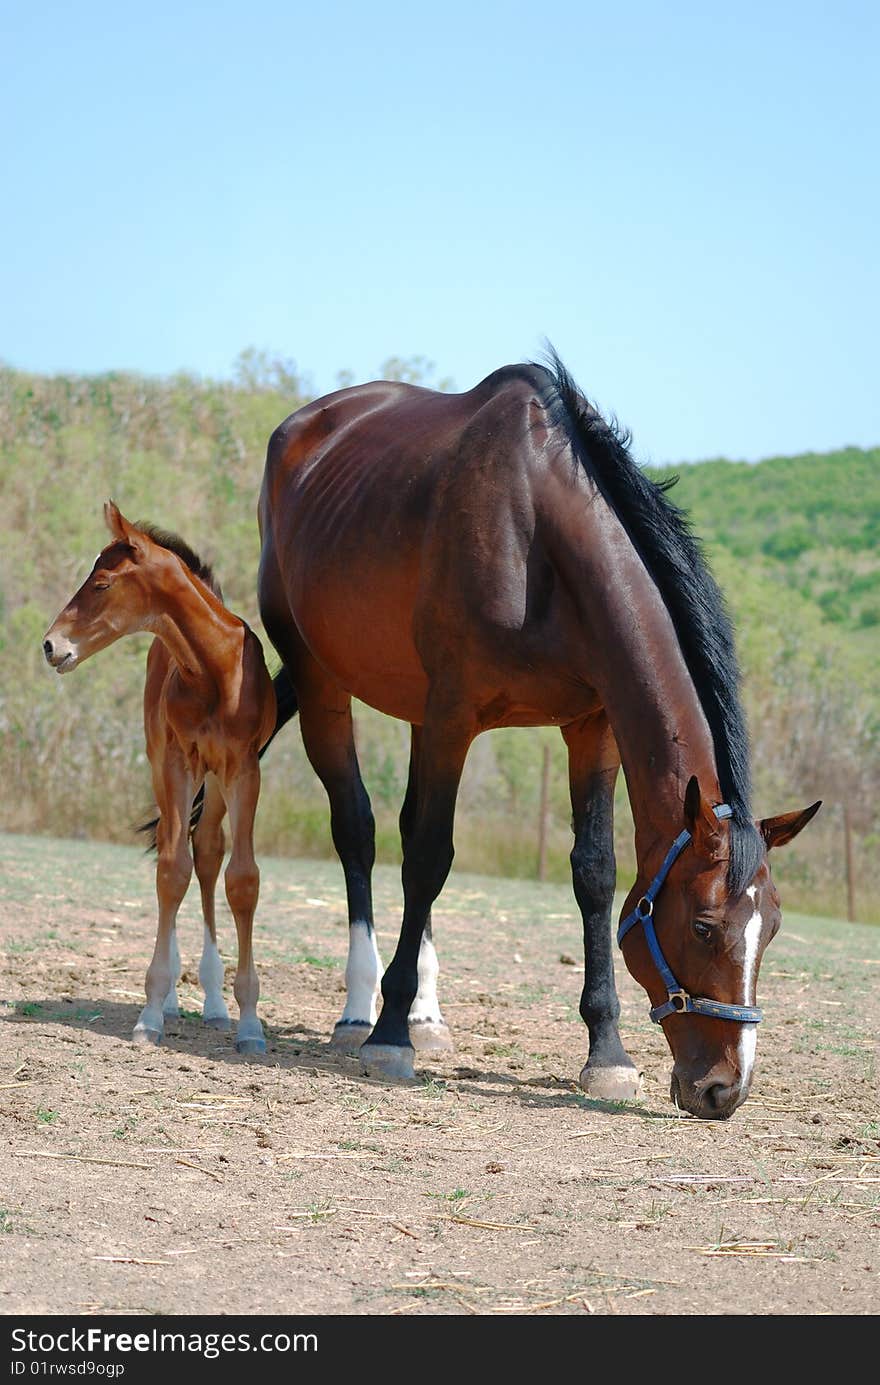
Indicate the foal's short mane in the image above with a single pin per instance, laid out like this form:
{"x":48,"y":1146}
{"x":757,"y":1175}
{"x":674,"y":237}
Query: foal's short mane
{"x":661,"y":535}
{"x":166,"y":539}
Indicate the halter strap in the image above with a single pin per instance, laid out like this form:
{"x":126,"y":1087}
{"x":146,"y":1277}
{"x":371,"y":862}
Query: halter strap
{"x":678,"y":1001}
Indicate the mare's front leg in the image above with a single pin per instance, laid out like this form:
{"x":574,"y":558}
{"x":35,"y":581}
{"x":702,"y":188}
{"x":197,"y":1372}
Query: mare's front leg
{"x":242,"y":891}
{"x":328,"y":737}
{"x":428,"y":853}
{"x":593,"y":763}
{"x":428,"y":1030}
{"x":208,"y":848}
{"x":175,"y":790}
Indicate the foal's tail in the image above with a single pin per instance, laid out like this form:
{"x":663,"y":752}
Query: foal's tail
{"x":287,"y":708}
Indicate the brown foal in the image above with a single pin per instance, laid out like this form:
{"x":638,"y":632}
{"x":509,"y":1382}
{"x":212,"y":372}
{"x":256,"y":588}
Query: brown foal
{"x":209,"y":708}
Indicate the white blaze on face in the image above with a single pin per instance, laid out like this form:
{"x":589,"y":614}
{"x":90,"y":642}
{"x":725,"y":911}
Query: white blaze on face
{"x":749,"y":1032}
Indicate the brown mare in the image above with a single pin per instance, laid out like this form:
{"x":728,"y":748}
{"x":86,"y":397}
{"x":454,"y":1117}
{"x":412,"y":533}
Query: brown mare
{"x":209,"y":707}
{"x":495,"y":558}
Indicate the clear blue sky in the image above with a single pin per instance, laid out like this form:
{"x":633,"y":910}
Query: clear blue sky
{"x":682,"y":196}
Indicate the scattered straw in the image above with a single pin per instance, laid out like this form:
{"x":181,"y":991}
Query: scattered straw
{"x":490,"y":1225}
{"x":217,"y":1177}
{"x":767,"y":1250}
{"x":128,"y":1260}
{"x":81,"y":1158}
{"x":300,"y":1154}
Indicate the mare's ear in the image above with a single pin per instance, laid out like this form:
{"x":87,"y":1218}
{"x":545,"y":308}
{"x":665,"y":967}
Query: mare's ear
{"x":700,"y":821}
{"x":121,"y":530}
{"x":781,"y":830}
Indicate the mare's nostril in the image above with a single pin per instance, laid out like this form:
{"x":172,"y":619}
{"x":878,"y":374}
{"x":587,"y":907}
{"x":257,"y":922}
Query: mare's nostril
{"x":719,"y":1097}
{"x":48,"y":648}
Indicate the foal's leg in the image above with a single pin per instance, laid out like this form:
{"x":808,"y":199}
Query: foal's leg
{"x":328,"y":737}
{"x":170,"y":1005}
{"x":593,"y":763}
{"x":242,"y":890}
{"x":208,"y":848}
{"x":428,"y":1031}
{"x":428,"y":853}
{"x":174,"y":794}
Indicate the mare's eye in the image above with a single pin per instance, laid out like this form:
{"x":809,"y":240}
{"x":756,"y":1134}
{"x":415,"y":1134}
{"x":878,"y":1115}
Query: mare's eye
{"x":703,"y":930}
{"x":100,"y":586}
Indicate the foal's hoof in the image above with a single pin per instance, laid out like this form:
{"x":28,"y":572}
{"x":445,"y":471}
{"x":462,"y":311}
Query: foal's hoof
{"x":392,"y":1062}
{"x":143,"y":1035}
{"x":250,"y":1046}
{"x":621,"y":1083}
{"x":349,"y":1035}
{"x":221,"y":1022}
{"x":430,"y":1036}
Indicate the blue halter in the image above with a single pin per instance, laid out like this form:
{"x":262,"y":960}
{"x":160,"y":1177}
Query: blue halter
{"x":678,"y":1002}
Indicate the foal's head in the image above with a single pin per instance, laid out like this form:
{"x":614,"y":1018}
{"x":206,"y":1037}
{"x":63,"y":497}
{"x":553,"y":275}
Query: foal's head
{"x":117,"y":597}
{"x":712,"y":929}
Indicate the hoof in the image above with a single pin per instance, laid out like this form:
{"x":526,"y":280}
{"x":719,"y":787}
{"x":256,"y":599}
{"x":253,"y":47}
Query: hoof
{"x":221,"y":1022}
{"x":619,"y":1083}
{"x":250,"y":1046}
{"x":349,"y":1035}
{"x":430,"y":1036}
{"x":143,"y":1035}
{"x":392,"y":1062}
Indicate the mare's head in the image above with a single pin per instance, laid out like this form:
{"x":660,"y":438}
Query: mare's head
{"x":712,"y":917}
{"x":114,"y":600}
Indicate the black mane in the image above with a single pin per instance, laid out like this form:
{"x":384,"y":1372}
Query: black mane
{"x":166,"y":539}
{"x":661,"y":535}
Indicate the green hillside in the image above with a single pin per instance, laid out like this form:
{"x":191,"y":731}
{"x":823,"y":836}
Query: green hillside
{"x":793,"y":541}
{"x":812,"y":520}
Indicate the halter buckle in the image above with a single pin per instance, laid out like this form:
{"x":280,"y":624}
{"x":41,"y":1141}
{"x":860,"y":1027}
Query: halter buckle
{"x":679,"y":1001}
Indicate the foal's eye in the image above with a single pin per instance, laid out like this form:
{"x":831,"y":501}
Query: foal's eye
{"x":100,"y":586}
{"x":703,"y":930}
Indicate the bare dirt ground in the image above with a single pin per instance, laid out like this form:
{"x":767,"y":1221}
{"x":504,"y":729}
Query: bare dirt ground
{"x":188,"y":1180}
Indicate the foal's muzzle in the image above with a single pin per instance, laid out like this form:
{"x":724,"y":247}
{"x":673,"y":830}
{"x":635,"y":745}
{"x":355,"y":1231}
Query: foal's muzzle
{"x":60,"y":653}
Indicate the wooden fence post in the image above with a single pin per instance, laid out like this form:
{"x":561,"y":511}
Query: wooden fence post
{"x":544,"y":816}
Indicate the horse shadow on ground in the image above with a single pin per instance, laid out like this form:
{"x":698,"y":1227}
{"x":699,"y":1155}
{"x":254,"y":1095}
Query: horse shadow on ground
{"x":297,"y":1047}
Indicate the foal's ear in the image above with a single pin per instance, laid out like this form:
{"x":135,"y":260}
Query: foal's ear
{"x":120,"y":528}
{"x":700,"y":821}
{"x":781,"y":830}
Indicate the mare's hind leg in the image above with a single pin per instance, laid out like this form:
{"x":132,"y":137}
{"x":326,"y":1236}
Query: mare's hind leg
{"x":242,"y":890}
{"x":328,"y":737}
{"x":428,"y":1030}
{"x":208,"y":848}
{"x":428,"y":853}
{"x":174,"y":794}
{"x":593,"y":764}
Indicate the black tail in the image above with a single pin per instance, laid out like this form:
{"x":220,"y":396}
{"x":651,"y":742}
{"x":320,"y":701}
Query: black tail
{"x":285,"y":701}
{"x":287,"y":708}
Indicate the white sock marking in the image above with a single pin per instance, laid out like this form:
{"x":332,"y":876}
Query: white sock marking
{"x":211,"y":975}
{"x":426,"y":1005}
{"x":363,"y":973}
{"x":170,"y":1005}
{"x":748,"y":1032}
